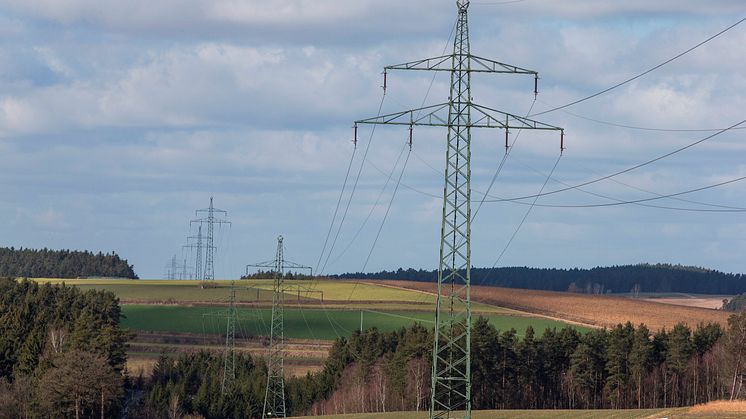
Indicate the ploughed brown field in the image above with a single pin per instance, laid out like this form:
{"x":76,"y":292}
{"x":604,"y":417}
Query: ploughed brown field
{"x":592,"y":310}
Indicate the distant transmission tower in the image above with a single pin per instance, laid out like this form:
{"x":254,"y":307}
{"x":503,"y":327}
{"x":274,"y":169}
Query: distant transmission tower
{"x":198,"y":257}
{"x":173,"y":269}
{"x":210,"y":220}
{"x":274,"y":396}
{"x":451,"y":374}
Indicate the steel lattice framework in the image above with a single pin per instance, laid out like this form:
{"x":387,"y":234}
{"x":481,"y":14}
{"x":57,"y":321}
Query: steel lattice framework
{"x":451,"y":374}
{"x":274,"y":396}
{"x":198,"y":256}
{"x":229,"y":362}
{"x":210,"y":220}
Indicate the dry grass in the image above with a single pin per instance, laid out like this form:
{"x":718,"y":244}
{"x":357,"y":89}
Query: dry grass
{"x":137,"y":365}
{"x":603,"y":311}
{"x":301,"y":355}
{"x":714,"y":302}
{"x":531,"y":414}
{"x":720,"y":406}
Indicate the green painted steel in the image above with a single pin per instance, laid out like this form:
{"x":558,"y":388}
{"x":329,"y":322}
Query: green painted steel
{"x":229,"y":362}
{"x":451,"y":374}
{"x":274,"y":395}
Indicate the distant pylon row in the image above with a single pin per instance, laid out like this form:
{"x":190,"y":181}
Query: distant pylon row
{"x":199,"y":247}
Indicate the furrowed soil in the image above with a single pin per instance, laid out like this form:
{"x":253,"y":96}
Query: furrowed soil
{"x":592,"y":310}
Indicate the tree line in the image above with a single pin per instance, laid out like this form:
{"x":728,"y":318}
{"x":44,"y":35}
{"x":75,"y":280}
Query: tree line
{"x":62,"y":352}
{"x":618,"y":279}
{"x":46,"y":263}
{"x":618,"y":368}
{"x":261,"y":274}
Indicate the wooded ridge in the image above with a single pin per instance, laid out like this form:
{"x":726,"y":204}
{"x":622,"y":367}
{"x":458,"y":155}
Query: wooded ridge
{"x":46,"y":263}
{"x":658,"y":278}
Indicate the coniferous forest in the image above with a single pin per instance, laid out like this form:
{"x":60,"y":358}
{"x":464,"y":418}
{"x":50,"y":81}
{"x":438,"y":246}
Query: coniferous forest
{"x":623,"y":367}
{"x":658,"y":278}
{"x":63,"y":354}
{"x":46,"y":263}
{"x":62,"y":351}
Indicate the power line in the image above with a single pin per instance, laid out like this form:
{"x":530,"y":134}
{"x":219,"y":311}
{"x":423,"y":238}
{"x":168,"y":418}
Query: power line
{"x":525,"y":216}
{"x":354,"y":188}
{"x":372,"y":208}
{"x":646,"y":191}
{"x":508,"y":149}
{"x":336,"y":209}
{"x":655,"y":129}
{"x":622,"y":83}
{"x":629,"y":169}
{"x":637,"y":201}
{"x":385,"y":216}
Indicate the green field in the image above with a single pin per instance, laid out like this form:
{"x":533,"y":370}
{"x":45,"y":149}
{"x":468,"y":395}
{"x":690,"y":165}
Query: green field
{"x":350,"y":294}
{"x":299,"y":323}
{"x":534,"y":414}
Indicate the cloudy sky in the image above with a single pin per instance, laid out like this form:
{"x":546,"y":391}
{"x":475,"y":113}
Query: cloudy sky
{"x":119,"y":118}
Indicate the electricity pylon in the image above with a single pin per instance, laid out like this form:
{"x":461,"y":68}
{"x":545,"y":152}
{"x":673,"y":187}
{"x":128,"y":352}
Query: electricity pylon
{"x":229,"y":363}
{"x":274,"y":395}
{"x":210,"y":220}
{"x":451,"y":374}
{"x":172,"y":268}
{"x":198,"y":257}
{"x":229,"y":360}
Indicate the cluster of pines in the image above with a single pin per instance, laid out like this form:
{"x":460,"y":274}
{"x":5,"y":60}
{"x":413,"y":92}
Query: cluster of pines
{"x":62,"y":352}
{"x":622,"y":367}
{"x":615,"y":279}
{"x":45,"y":263}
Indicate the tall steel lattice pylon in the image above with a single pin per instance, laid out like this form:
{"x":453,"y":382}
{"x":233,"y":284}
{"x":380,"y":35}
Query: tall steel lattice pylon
{"x":229,"y":362}
{"x":451,"y":373}
{"x":274,"y":396}
{"x":198,"y":257}
{"x":210,"y":220}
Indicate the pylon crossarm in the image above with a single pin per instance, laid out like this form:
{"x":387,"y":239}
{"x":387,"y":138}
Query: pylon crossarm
{"x":486,"y":65}
{"x":441,"y":63}
{"x":437,"y":116}
{"x":432,"y":116}
{"x":445,"y":63}
{"x":292,"y":265}
{"x":484,"y":117}
{"x":267,"y":264}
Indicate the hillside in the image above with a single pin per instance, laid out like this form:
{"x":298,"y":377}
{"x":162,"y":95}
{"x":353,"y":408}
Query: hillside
{"x":656,"y":278}
{"x":46,"y":263}
{"x":596,"y":310}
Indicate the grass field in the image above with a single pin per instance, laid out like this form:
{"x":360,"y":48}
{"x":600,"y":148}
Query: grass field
{"x":716,"y":409}
{"x":342,"y":294}
{"x":586,"y":309}
{"x":299,"y":323}
{"x":535,"y":414}
{"x":189,"y":291}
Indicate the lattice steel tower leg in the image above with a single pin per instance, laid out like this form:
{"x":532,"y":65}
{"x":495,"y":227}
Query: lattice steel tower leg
{"x":274,"y":396}
{"x":451,"y":373}
{"x":198,"y":263}
{"x":229,"y":363}
{"x":198,"y":256}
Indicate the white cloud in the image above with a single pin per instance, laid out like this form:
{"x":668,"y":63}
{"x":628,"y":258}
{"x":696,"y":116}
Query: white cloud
{"x":128,"y":115}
